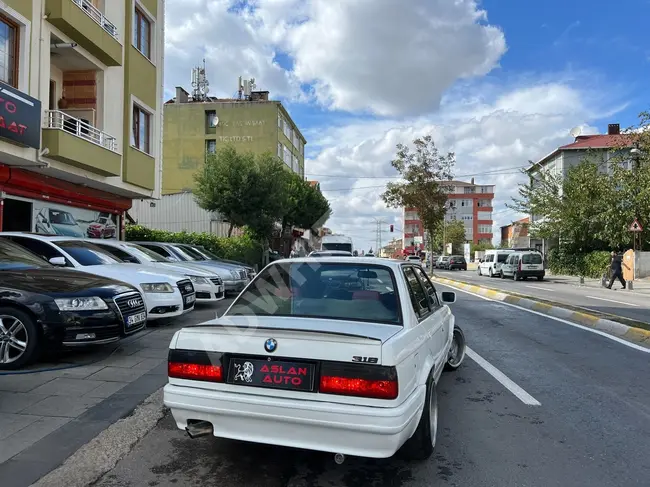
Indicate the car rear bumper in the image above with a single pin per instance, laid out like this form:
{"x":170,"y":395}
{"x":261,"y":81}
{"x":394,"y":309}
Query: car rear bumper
{"x":313,"y":425}
{"x":529,"y":273}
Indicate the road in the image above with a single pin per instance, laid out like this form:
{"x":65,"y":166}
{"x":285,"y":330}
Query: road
{"x":630,"y":304}
{"x":590,"y":426}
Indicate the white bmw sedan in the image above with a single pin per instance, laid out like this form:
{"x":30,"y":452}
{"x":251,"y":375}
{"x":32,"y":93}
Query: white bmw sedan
{"x":338,"y":354}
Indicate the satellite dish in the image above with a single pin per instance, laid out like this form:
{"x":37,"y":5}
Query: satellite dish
{"x":215,"y":121}
{"x":575,"y":132}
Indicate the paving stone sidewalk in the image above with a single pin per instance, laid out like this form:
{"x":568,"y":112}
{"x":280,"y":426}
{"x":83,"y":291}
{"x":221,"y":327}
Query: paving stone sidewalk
{"x":51,"y":409}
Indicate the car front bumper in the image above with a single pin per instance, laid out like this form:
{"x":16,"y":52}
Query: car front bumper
{"x":89,"y":328}
{"x":165,"y":305}
{"x":233,"y":286}
{"x":206,"y":293}
{"x":314,"y":425}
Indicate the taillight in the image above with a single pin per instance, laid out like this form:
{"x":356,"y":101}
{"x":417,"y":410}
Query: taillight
{"x":195,"y":365}
{"x":372,"y":381}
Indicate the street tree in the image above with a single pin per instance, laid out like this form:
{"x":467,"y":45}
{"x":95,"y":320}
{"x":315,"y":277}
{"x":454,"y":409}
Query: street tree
{"x":307,"y":207}
{"x":247,"y":189}
{"x":424,"y":172}
{"x":454,"y":233}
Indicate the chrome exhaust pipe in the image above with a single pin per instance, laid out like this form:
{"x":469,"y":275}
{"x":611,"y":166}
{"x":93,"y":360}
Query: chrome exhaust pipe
{"x":196,"y":429}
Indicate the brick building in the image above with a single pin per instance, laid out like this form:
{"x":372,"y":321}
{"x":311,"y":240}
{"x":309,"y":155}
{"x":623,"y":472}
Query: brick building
{"x":516,"y":235}
{"x":469,"y":202}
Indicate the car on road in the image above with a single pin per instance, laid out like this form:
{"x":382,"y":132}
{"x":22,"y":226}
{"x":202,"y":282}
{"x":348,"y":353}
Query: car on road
{"x":166,"y":294}
{"x":330,"y":354}
{"x":43,"y":306}
{"x":207,"y":284}
{"x":413,"y":258}
{"x":492,"y":262}
{"x":441,"y":262}
{"x":456,"y":262}
{"x":522,"y":265}
{"x":330,"y":253}
{"x":235,"y":278}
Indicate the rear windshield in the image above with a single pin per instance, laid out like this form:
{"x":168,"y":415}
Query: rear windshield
{"x":335,"y":291}
{"x":502,"y":257}
{"x":531,"y":259}
{"x":458,"y":259}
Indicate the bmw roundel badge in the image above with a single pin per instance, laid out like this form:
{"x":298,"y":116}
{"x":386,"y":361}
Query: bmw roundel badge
{"x":270,"y":345}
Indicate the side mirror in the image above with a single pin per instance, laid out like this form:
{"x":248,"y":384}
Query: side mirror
{"x":448,"y":297}
{"x":58,"y":261}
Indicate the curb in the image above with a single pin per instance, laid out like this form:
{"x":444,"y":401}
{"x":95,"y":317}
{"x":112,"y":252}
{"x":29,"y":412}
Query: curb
{"x":628,"y":330}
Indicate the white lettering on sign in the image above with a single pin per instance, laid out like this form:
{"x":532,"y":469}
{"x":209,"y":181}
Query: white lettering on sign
{"x":242,"y":123}
{"x":235,"y":138}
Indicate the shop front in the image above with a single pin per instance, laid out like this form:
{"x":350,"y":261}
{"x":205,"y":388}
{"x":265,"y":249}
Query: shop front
{"x":32,"y":202}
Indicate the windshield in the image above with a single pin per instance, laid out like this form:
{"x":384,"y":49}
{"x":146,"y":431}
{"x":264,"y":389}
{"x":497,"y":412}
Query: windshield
{"x":328,"y":291}
{"x":502,"y":257}
{"x":206,"y":253}
{"x":87,"y":254}
{"x":189,"y":252}
{"x":61,"y":218}
{"x":337,"y":246}
{"x":13,"y":257}
{"x":146,"y":254}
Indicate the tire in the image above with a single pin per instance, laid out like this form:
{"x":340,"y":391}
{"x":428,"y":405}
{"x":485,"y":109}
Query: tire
{"x":540,"y":278}
{"x":420,"y":446}
{"x":503,"y":276}
{"x":28,"y":333}
{"x":457,"y":351}
{"x":515,"y":276}
{"x":479,"y":271}
{"x":490,"y":273}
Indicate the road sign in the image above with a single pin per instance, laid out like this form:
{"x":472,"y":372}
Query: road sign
{"x":636,"y":226}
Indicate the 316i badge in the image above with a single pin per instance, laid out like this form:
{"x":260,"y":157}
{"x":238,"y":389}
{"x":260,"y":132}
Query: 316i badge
{"x":270,"y":345}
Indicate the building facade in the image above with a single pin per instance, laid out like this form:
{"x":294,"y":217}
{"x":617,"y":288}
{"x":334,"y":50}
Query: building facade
{"x":469,"y":202}
{"x":194,"y":128}
{"x":516,"y":235}
{"x":80,"y":113}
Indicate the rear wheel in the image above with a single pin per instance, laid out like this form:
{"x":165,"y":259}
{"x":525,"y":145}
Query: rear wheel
{"x":457,"y":350}
{"x":515,"y":276}
{"x":490,"y":272}
{"x":420,"y":446}
{"x":479,"y":271}
{"x":540,"y":278}
{"x":19,"y":339}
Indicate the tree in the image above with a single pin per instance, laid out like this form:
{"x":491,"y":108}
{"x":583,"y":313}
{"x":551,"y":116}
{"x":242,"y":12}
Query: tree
{"x":454,"y":233}
{"x":424,"y":172}
{"x":307,"y":207}
{"x":247,"y":189}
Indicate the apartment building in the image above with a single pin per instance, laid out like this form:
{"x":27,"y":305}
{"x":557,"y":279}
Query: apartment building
{"x":516,"y":235}
{"x":196,"y":125}
{"x":469,"y":202}
{"x":80,"y":113}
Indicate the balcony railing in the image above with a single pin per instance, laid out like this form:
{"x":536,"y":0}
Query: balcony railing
{"x":55,"y":119}
{"x":94,"y":13}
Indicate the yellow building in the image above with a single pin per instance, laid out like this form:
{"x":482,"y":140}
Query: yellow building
{"x":80,"y":112}
{"x":197,"y":125}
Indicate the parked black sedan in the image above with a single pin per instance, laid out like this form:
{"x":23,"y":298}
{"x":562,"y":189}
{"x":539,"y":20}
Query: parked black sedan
{"x":45,"y":306}
{"x":456,"y":262}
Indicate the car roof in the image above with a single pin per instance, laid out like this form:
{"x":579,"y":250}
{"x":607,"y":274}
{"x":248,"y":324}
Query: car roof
{"x":40,"y":236}
{"x":393,"y":263}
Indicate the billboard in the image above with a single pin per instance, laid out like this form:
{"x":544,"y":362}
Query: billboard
{"x":20,"y":117}
{"x":68,"y":221}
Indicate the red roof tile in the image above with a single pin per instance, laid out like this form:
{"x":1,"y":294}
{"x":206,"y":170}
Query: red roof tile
{"x":599,"y":142}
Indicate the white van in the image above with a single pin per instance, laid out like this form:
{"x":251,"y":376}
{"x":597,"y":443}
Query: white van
{"x":522,"y":265}
{"x":492,"y":262}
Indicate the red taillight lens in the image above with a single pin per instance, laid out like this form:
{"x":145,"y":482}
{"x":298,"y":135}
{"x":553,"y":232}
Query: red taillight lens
{"x":211,"y":373}
{"x":379,"y":389}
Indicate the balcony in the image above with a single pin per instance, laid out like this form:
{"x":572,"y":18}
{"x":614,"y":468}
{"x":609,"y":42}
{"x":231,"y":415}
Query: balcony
{"x":86,"y":25}
{"x":80,"y":144}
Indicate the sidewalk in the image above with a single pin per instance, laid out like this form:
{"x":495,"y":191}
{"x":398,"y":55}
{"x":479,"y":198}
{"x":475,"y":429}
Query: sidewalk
{"x":639,"y":285}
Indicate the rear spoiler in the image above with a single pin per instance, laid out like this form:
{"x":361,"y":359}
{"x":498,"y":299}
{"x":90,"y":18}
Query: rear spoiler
{"x":307,"y":330}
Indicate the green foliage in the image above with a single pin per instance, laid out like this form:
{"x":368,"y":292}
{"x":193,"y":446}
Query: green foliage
{"x":424,"y":171}
{"x":307,"y":207}
{"x":454,"y":232}
{"x":242,"y":249}
{"x":479,"y":247}
{"x":564,"y":262}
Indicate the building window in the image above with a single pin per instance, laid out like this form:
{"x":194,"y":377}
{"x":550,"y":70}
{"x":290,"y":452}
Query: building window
{"x":141,"y":130}
{"x":142,"y":33}
{"x":287,"y":157}
{"x":211,"y":118}
{"x":302,"y":147}
{"x":280,"y":122}
{"x":411,"y":215}
{"x":280,"y":151}
{"x":484,"y":229}
{"x":210,"y":146}
{"x":8,"y":52}
{"x":469,"y":189}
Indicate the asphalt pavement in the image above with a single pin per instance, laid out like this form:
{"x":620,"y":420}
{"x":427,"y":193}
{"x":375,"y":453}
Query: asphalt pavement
{"x":616,"y":301}
{"x":539,"y":403}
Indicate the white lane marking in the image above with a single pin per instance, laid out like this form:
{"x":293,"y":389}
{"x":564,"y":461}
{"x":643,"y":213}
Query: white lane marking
{"x":542,"y":288}
{"x":505,"y":381}
{"x":614,"y":301}
{"x":566,"y":322}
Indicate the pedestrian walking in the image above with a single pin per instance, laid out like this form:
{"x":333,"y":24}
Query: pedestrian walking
{"x":617,"y":270}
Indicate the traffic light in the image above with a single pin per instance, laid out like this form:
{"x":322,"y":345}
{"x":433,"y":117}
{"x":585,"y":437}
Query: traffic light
{"x":391,"y":228}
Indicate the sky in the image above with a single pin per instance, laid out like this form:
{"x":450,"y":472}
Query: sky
{"x":497,"y":82}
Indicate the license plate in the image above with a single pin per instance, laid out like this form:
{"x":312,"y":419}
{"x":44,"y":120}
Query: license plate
{"x":291,"y":376}
{"x":190,"y":299}
{"x":135,"y":319}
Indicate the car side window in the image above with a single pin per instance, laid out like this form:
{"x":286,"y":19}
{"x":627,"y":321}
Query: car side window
{"x":42,"y":249}
{"x":119,"y":253}
{"x":419,"y":298}
{"x":428,"y":287}
{"x":159,"y":250}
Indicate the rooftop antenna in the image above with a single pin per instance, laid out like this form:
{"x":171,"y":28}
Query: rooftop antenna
{"x":246,"y":87}
{"x":200,"y":83}
{"x":575,"y":132}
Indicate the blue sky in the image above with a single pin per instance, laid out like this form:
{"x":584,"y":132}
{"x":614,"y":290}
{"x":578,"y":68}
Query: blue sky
{"x":498,"y":82}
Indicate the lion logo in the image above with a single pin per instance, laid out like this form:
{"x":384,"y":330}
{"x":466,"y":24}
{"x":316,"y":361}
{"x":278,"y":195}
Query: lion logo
{"x":244,"y":372}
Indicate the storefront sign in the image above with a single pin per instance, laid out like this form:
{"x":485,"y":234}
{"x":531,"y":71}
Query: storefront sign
{"x":235,"y":138}
{"x":20,"y":117}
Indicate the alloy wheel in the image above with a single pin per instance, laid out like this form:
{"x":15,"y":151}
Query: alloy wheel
{"x":13,"y":339}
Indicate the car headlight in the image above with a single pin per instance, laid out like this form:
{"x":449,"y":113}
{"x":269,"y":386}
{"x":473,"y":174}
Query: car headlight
{"x":92,"y":303}
{"x":234,"y":274}
{"x":157,"y":287}
{"x":198,"y":279}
